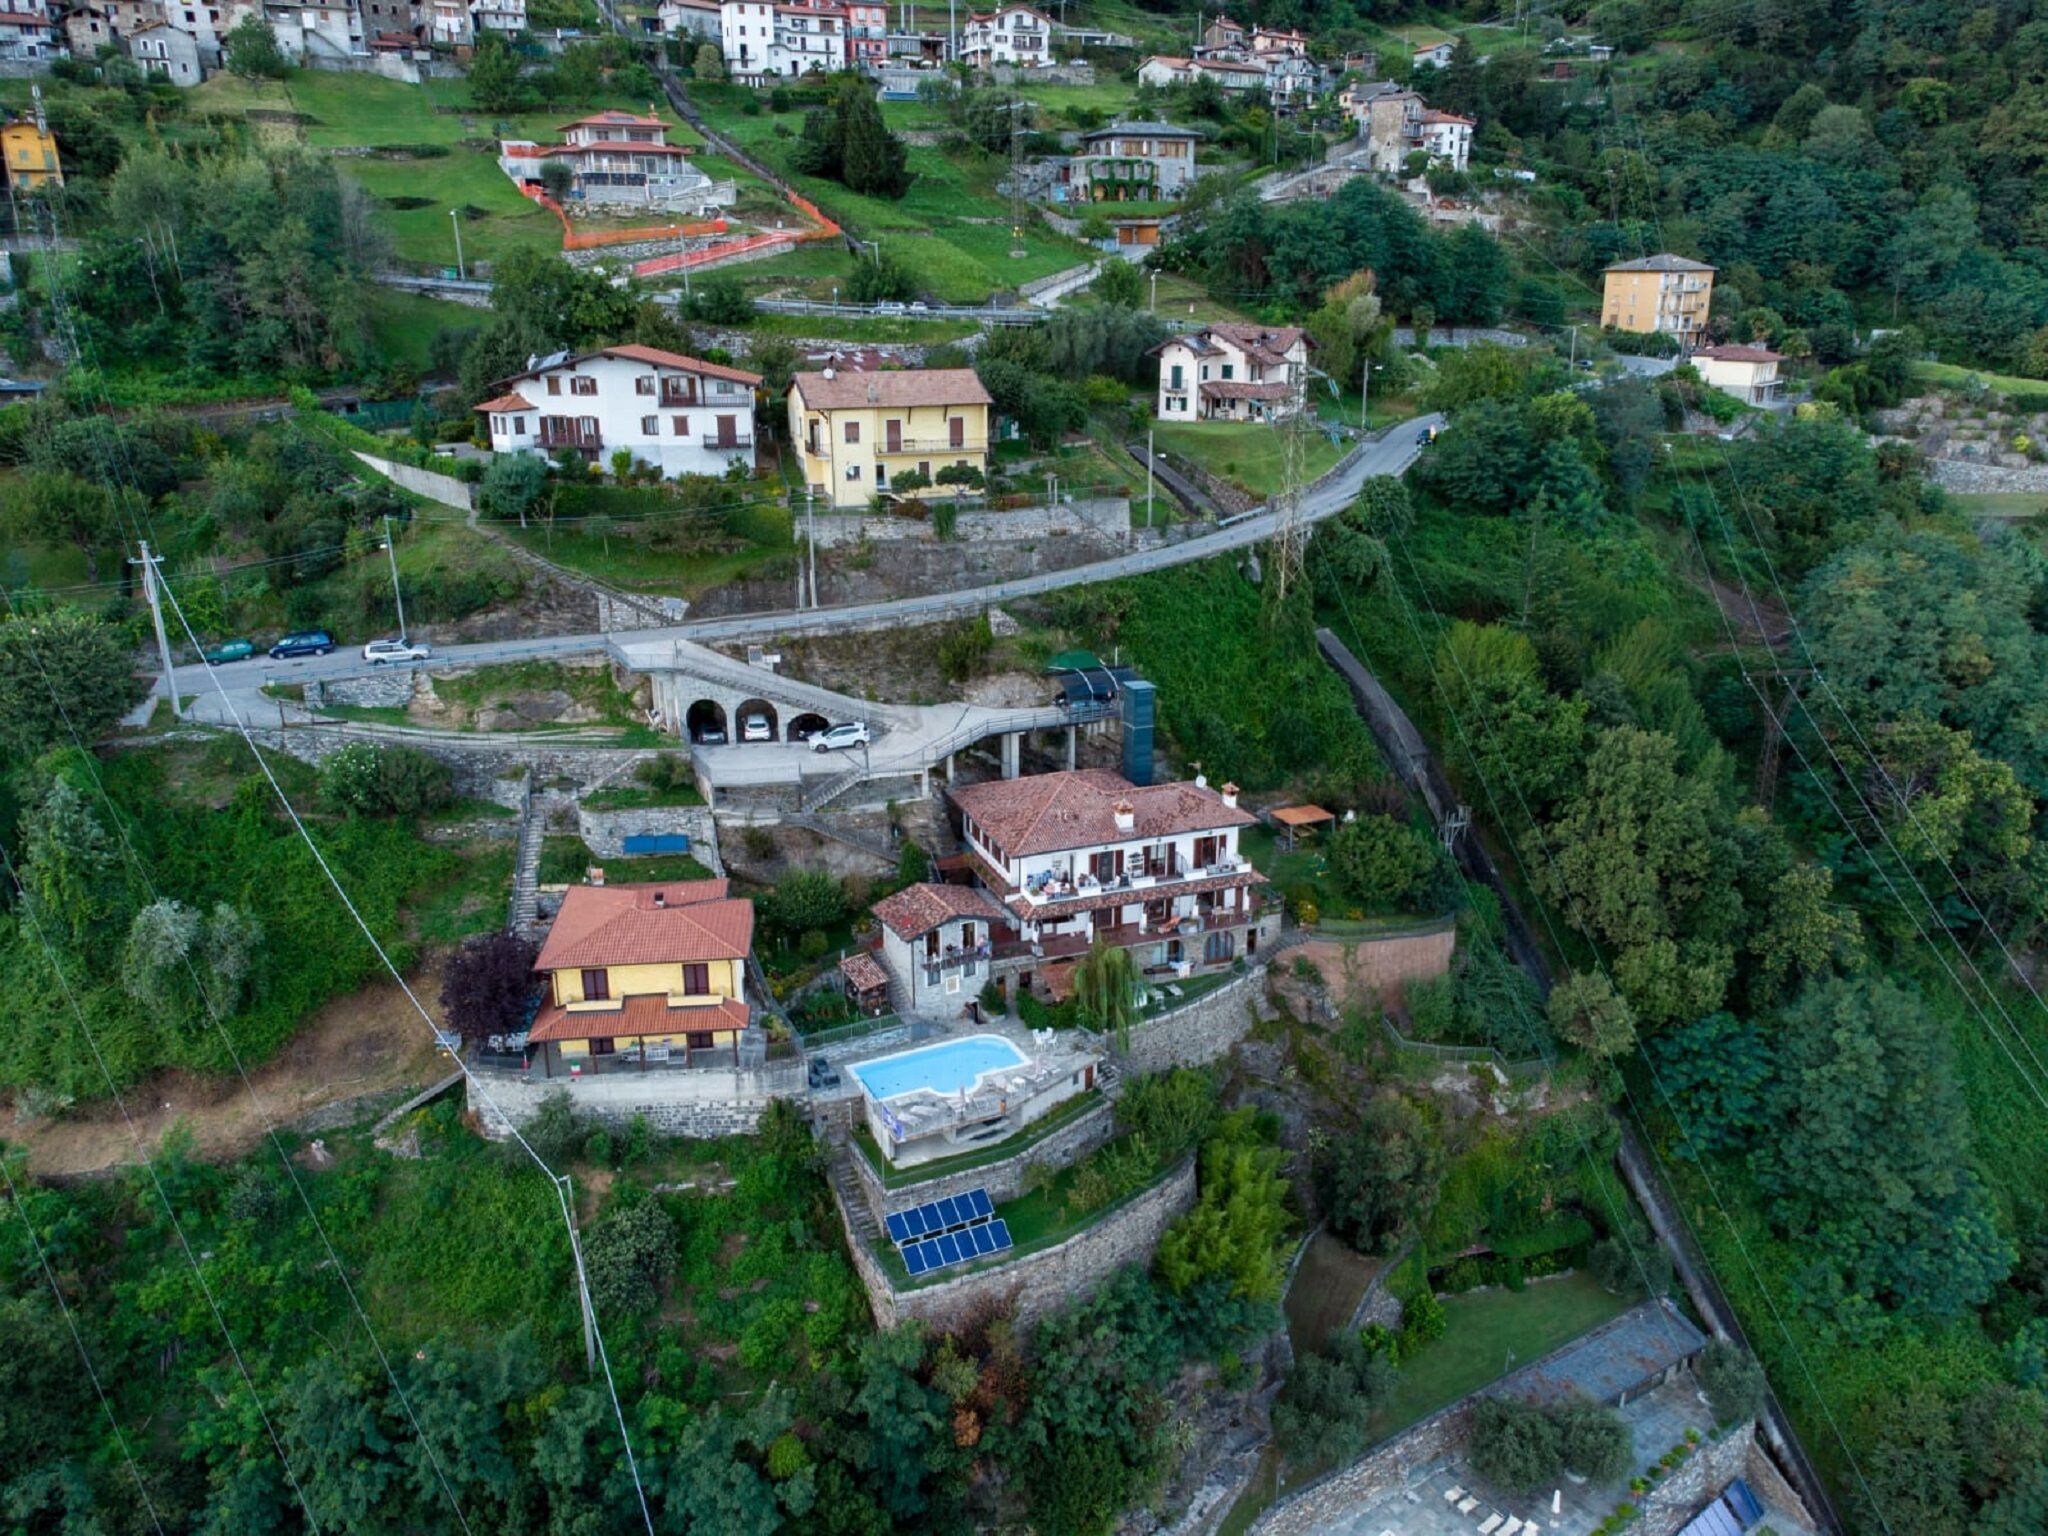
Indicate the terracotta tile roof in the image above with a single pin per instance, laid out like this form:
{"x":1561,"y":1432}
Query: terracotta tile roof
{"x":1735,"y":354}
{"x":661,"y":359}
{"x":647,"y":1015}
{"x":1096,"y":901}
{"x":902,"y":388}
{"x":512,"y":402}
{"x":1053,"y":811}
{"x":863,"y":972}
{"x":918,"y":909}
{"x":614,"y":120}
{"x":622,"y":925}
{"x":1265,"y":344}
{"x":1434,"y":116}
{"x":1236,"y":389}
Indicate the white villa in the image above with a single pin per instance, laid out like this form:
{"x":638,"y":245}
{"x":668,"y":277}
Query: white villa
{"x":1232,"y":373}
{"x":1750,"y":374}
{"x":679,"y":414}
{"x":619,"y":159}
{"x":1011,"y":34}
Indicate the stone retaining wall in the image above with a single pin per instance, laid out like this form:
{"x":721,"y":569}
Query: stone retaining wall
{"x":1105,"y":519}
{"x":1036,"y":1282}
{"x":704,"y":1104}
{"x":390,"y":689}
{"x":1199,"y":1031}
{"x":478,"y":764}
{"x":1003,"y":1180}
{"x":605,"y":832}
{"x":1967,"y":477}
{"x":1371,"y":1478}
{"x":445,"y":489}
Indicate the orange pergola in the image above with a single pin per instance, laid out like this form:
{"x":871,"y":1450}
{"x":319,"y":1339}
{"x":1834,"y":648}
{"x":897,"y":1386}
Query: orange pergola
{"x":1297,"y":819}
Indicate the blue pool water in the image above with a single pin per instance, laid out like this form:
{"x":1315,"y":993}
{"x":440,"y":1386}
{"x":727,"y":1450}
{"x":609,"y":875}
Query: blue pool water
{"x":947,"y":1067}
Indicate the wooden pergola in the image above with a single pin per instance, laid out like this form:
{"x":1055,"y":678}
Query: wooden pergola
{"x":1296,"y":819}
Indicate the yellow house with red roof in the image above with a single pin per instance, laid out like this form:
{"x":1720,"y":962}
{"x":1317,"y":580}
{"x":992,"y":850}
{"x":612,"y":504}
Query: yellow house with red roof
{"x":639,"y":975}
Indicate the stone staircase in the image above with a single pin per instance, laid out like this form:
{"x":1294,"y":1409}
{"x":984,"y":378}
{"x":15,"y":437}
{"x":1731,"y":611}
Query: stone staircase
{"x":825,"y":826}
{"x":525,"y":914}
{"x":846,"y":1186}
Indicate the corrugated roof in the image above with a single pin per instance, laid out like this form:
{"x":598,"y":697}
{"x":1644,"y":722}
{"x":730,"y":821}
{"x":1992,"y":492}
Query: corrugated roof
{"x":918,"y":909}
{"x":1735,"y":354}
{"x":602,"y":925}
{"x":1053,"y":811}
{"x":1663,"y":262}
{"x":902,"y":389}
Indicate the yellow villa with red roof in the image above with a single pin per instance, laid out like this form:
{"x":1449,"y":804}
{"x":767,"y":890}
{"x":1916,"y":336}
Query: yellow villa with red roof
{"x":644,"y":974}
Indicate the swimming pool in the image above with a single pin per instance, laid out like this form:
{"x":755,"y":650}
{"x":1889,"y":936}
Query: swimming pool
{"x":945,"y":1068}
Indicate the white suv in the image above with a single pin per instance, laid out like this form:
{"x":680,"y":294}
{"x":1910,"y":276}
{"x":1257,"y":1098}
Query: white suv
{"x":395,"y":650}
{"x":756,"y":728}
{"x":852,"y":734}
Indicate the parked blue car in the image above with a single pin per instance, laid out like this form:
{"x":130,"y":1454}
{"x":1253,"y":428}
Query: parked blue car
{"x":311,"y":642}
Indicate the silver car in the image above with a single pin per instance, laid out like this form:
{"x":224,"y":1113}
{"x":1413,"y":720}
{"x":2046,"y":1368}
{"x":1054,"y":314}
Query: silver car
{"x":400,"y":649}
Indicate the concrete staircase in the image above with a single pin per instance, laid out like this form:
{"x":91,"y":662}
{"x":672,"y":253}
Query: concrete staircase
{"x":824,"y":826}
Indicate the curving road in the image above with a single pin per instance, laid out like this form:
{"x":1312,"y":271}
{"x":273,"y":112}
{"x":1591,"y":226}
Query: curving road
{"x":1390,"y":454}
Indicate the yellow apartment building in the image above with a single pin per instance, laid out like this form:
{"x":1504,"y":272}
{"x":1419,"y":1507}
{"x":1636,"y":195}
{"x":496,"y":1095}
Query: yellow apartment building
{"x":1659,"y":293}
{"x":855,"y":432}
{"x":643,"y":975}
{"x":30,"y":150}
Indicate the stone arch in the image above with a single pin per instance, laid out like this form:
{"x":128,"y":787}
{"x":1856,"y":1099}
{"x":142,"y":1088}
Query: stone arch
{"x":705,"y":714}
{"x":755,"y":707}
{"x":803,"y":727}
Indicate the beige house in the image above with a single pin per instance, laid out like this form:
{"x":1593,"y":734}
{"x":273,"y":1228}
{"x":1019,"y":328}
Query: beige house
{"x":1663,"y":293}
{"x":1750,"y":374}
{"x":856,"y":432}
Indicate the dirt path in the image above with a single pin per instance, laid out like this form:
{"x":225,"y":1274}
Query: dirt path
{"x":368,"y":1045}
{"x":1757,"y":619}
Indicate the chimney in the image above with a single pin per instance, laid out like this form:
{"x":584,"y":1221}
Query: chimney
{"x":1230,"y":796}
{"x":1201,"y":781}
{"x":1126,"y":816}
{"x":661,"y":898}
{"x":828,"y":371}
{"x":594,"y":875}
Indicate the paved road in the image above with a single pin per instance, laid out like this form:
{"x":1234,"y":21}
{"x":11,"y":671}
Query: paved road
{"x":1390,"y":455}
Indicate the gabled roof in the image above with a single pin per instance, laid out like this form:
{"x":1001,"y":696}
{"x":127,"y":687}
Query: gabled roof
{"x":512,"y":402}
{"x":1238,"y":389}
{"x":918,"y":909}
{"x":656,"y":923}
{"x":901,"y":388}
{"x":1265,"y":344}
{"x":1434,"y":116}
{"x":644,"y":1015}
{"x":653,"y":356}
{"x":1149,"y":130}
{"x":1736,"y":354}
{"x":863,"y":972}
{"x":1663,"y":262}
{"x":1050,"y":812}
{"x":614,"y":120}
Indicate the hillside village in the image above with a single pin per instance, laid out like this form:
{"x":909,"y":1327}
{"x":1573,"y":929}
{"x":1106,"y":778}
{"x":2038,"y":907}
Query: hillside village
{"x":816,"y":767}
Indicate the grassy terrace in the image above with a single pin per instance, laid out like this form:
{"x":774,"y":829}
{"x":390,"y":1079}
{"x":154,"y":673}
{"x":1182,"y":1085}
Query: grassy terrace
{"x":980,"y":1157}
{"x":1249,"y":454}
{"x":564,"y":861}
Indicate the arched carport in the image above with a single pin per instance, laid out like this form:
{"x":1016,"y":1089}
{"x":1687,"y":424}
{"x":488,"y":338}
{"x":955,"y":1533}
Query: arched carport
{"x":705,"y":715}
{"x":751,"y":708}
{"x":804,"y":727}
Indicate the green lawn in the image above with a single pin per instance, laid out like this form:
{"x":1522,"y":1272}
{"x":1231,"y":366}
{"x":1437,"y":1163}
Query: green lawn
{"x":1489,"y":1333}
{"x":2000,"y":503}
{"x":403,"y":325}
{"x":637,"y":566}
{"x":1949,"y":376}
{"x":1246,"y":453}
{"x":472,"y":900}
{"x":632,"y":797}
{"x":565,"y":860}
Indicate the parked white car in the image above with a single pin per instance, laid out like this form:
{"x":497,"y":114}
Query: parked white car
{"x":854,"y":733}
{"x":756,"y":728}
{"x":395,"y":650}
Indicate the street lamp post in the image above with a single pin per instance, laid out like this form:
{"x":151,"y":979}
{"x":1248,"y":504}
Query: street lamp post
{"x":1365,"y":395}
{"x":397,"y":595}
{"x":455,"y":218}
{"x":1155,"y":293}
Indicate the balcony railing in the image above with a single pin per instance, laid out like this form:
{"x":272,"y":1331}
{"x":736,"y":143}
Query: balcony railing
{"x":713,"y":440}
{"x":570,"y":437}
{"x":955,"y":959}
{"x":1143,"y":878}
{"x":929,"y":445}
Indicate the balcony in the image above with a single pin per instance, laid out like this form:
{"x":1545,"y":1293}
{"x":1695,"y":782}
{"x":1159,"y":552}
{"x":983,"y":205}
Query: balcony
{"x":733,"y":444}
{"x":553,"y":435}
{"x":1144,"y":877}
{"x":930,"y":445}
{"x":679,"y":399}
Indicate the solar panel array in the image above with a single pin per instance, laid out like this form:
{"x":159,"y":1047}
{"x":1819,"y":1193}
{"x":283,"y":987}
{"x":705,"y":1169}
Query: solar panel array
{"x":949,"y":1231}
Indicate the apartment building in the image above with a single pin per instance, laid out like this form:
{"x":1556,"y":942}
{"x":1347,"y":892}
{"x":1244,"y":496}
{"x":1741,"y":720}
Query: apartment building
{"x":856,"y":434}
{"x":679,"y":414}
{"x":1011,"y":34}
{"x":1232,"y":373}
{"x":617,"y":158}
{"x":1661,"y":293}
{"x":1130,"y":163}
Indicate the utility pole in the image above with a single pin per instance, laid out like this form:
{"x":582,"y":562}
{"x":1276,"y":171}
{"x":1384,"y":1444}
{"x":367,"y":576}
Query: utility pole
{"x":1148,"y":468}
{"x":149,"y":563}
{"x":1575,"y":347}
{"x":1365,"y":395}
{"x":582,"y":1282}
{"x":1155,"y":293}
{"x":397,"y":593}
{"x":811,"y":535}
{"x":455,"y":218}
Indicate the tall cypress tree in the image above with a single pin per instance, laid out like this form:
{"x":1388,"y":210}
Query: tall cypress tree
{"x":872,"y":159}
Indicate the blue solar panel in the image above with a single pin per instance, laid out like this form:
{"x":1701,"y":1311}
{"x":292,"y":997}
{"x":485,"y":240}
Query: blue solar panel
{"x":979,"y":1201}
{"x":942,"y":1214}
{"x":913,"y":1223}
{"x":930,"y":1250}
{"x":913,"y":1260}
{"x":984,"y":1240}
{"x":1001,"y":1229}
{"x":899,"y":1229}
{"x":949,"y":1247}
{"x":1743,"y":1503}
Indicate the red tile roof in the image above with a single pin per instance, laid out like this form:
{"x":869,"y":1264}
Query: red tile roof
{"x":647,"y":1015}
{"x":613,"y":120}
{"x":622,"y":925}
{"x":918,"y":909}
{"x":512,"y":402}
{"x":902,"y":388}
{"x":863,"y":972}
{"x":1735,"y":354}
{"x":1054,"y":811}
{"x":661,"y":359}
{"x":1238,"y":389}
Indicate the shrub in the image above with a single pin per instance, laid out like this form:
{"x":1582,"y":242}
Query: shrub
{"x":912,"y":863}
{"x":1325,"y":1412}
{"x":1514,"y":1445}
{"x":367,"y":780}
{"x":1733,"y":1382}
{"x":487,"y":985}
{"x":1422,"y":1320}
{"x":1593,"y":1441}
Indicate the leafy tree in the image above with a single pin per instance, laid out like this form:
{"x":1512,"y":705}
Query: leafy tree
{"x":804,"y":899}
{"x":1716,"y":1073}
{"x":1106,"y":990}
{"x":1913,"y":1474}
{"x":1233,"y":1233}
{"x":880,"y":280}
{"x":1378,"y":1184}
{"x":1514,"y":1445}
{"x":708,"y":63}
{"x":62,"y":508}
{"x":912,"y":862}
{"x":253,"y":51}
{"x":61,"y":671}
{"x":1593,"y":1441}
{"x":848,"y":142}
{"x":1586,"y":1011}
{"x":1386,"y":863}
{"x":367,"y":780}
{"x":2003,"y":1432}
{"x":556,"y":179}
{"x":487,"y":985}
{"x":513,"y":485}
{"x":1172,"y":1111}
{"x":1902,"y":1218}
{"x":1804,"y":481}
{"x":1119,"y":284}
{"x":1324,"y":1414}
{"x":1733,"y":1381}
{"x":630,"y":1255}
{"x":158,"y":968}
{"x":495,"y":80}
{"x":72,"y":881}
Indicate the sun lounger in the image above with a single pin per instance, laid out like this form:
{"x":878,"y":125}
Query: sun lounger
{"x":1489,"y":1525}
{"x":1466,"y":1506}
{"x":1513,"y":1526}
{"x":1452,"y":1495}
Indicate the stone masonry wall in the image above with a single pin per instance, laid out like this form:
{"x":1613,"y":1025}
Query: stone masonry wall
{"x":1676,"y":1499}
{"x":389,"y":689}
{"x":1199,"y":1031}
{"x":478,"y":764}
{"x":1036,"y":1282}
{"x":1003,"y":1180}
{"x":446,"y":489}
{"x":606,"y":831}
{"x":1107,"y":520}
{"x":697,"y":1104}
{"x":1369,"y":1479}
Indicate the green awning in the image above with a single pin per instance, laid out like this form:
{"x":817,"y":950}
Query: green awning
{"x":1073,"y":661}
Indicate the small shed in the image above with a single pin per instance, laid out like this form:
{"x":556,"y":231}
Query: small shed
{"x":867,"y":983}
{"x":1293,"y":820}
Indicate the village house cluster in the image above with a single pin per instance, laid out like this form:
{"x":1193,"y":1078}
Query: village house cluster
{"x":1241,"y":60}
